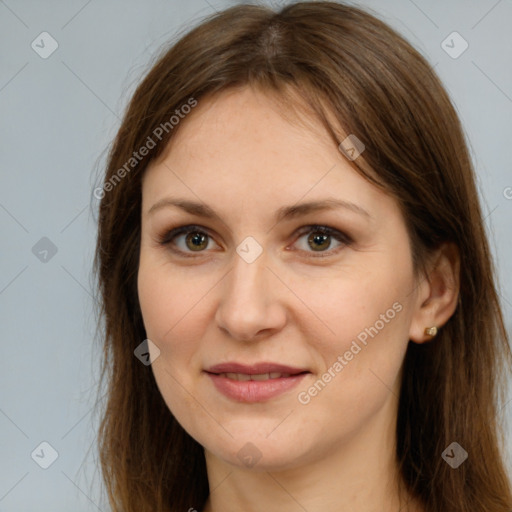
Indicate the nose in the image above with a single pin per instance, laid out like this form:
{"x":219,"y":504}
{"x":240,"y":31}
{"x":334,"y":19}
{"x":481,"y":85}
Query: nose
{"x":250,"y":305}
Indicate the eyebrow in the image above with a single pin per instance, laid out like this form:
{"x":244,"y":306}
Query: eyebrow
{"x":286,"y":212}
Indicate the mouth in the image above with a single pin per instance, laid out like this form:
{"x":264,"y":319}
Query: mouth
{"x":255,"y":383}
{"x":255,"y":369}
{"x":258,"y":376}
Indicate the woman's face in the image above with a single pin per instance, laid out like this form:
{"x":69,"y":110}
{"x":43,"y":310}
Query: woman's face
{"x":249,"y":283}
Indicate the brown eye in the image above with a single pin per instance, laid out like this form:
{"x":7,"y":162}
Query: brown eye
{"x":185,"y":240}
{"x":195,"y":241}
{"x":319,"y":241}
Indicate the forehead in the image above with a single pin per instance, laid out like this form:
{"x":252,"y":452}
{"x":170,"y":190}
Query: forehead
{"x":239,"y":148}
{"x":247,"y":120}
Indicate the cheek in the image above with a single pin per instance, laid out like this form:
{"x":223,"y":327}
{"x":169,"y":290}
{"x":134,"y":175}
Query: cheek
{"x":153,"y":299}
{"x":173,"y":305}
{"x":163,"y":302}
{"x":354,"y":304}
{"x":365,"y":318}
{"x":168,"y":311}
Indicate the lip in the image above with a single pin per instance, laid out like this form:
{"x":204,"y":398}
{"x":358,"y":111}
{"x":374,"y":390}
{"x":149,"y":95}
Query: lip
{"x":254,"y":369}
{"x":251,"y":391}
{"x":254,"y":390}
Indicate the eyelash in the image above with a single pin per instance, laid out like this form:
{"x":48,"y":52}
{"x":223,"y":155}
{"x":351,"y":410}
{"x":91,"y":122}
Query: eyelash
{"x":167,"y":238}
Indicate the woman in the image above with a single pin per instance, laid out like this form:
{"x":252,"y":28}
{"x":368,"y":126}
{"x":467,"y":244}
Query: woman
{"x":299,"y":299}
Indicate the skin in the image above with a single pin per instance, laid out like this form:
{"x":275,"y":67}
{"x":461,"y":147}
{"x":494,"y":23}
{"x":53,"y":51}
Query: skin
{"x":241,"y":156}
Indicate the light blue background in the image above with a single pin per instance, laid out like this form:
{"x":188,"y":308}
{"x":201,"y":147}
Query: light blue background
{"x":58,"y":116}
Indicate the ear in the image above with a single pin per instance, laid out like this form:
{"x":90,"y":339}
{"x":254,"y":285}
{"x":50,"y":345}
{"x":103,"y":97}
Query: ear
{"x":437,"y":293}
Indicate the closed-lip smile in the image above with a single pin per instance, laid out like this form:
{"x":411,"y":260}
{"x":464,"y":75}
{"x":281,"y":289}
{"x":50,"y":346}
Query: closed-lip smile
{"x":254,"y":383}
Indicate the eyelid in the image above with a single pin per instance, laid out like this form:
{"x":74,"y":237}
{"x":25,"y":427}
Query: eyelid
{"x":167,"y":238}
{"x":172,"y":233}
{"x":325,"y":229}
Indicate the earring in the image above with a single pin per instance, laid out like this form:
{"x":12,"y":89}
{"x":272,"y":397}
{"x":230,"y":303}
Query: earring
{"x":431,"y":331}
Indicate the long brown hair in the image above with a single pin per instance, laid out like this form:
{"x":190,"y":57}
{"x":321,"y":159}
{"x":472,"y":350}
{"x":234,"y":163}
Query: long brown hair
{"x":359,"y":77}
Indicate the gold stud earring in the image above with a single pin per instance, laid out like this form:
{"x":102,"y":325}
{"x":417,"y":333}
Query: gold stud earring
{"x":431,"y":331}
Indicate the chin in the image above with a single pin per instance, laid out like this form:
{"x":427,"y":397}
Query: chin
{"x":259,"y":454}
